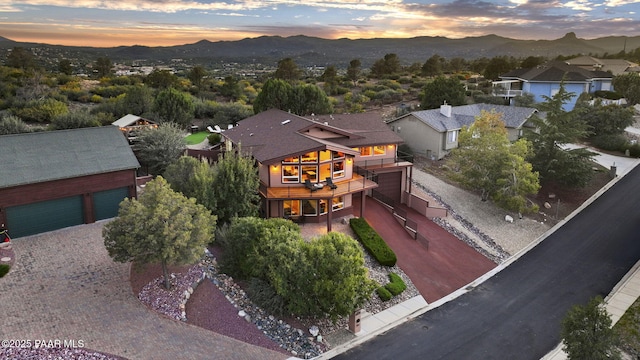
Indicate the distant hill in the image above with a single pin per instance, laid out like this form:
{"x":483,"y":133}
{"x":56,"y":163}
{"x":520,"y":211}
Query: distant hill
{"x":307,"y":50}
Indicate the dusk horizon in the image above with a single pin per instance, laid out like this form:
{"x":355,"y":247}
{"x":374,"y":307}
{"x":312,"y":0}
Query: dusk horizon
{"x":176,"y":22}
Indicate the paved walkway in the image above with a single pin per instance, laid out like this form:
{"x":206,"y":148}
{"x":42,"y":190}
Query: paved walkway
{"x":65,"y":286}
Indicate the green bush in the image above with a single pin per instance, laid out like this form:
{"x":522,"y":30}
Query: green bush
{"x":4,"y":269}
{"x":263,"y":294}
{"x":214,"y":138}
{"x":372,"y":242}
{"x":383,"y":293}
{"x":610,"y":142}
{"x":396,"y":285}
{"x":634,"y":150}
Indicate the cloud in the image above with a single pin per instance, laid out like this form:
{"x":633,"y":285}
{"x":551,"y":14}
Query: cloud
{"x":616,"y":3}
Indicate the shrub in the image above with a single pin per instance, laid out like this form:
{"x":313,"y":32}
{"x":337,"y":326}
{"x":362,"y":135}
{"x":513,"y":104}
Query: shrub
{"x":263,"y":294}
{"x":4,"y":269}
{"x":372,"y":242}
{"x":383,"y":293}
{"x":396,"y":285}
{"x":634,"y":150}
{"x":610,"y":142}
{"x":213,"y":138}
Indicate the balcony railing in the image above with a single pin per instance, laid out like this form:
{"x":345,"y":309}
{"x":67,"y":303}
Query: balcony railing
{"x":299,"y":191}
{"x":506,"y":92}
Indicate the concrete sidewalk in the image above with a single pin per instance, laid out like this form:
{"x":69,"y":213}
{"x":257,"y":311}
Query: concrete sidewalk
{"x":623,"y":295}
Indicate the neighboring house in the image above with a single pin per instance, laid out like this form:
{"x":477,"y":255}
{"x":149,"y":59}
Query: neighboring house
{"x":130,"y":125}
{"x":55,"y":179}
{"x":296,"y":156}
{"x":614,"y":66}
{"x":545,"y":80}
{"x":435,"y":132}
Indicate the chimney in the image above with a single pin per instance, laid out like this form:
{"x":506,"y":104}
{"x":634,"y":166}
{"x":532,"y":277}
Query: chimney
{"x":445,"y":110}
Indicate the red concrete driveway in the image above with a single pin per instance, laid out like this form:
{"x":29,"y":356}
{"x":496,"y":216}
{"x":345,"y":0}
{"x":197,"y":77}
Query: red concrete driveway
{"x":447,"y":265}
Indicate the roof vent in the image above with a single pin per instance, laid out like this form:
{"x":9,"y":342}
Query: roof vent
{"x":326,"y":123}
{"x":285,"y":122}
{"x":251,"y":134}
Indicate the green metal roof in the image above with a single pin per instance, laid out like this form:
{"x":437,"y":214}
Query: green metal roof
{"x":54,"y":155}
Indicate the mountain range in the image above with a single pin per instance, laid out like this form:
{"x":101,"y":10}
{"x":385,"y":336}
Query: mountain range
{"x":309,"y":51}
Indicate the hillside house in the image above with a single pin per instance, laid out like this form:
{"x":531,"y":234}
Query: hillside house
{"x":311,"y":169}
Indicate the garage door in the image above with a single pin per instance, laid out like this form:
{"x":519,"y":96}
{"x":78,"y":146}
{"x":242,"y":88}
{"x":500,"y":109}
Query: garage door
{"x":44,"y":216}
{"x":106,"y":202}
{"x":390,"y":185}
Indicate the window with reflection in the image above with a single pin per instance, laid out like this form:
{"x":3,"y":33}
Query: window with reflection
{"x":325,"y":155}
{"x":290,"y":173}
{"x":338,"y":155}
{"x":338,"y":169}
{"x":325,"y":171}
{"x":379,"y":150}
{"x":309,"y":207}
{"x":337,"y":203}
{"x":323,"y":206}
{"x":309,"y":172}
{"x":366,"y":151}
{"x":291,"y":160}
{"x":311,"y":157}
{"x":291,"y":207}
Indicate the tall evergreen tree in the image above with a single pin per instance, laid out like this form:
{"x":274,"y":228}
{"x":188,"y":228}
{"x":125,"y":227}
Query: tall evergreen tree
{"x":555,"y":163}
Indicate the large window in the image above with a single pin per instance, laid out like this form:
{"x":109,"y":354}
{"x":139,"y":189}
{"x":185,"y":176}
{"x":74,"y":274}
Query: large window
{"x":338,"y":203}
{"x":311,"y":157}
{"x":338,"y":169}
{"x":309,"y":207}
{"x":292,"y":208}
{"x":310,"y":172}
{"x":290,"y":173}
{"x":316,"y":166}
{"x":366,"y":151}
{"x":379,"y":150}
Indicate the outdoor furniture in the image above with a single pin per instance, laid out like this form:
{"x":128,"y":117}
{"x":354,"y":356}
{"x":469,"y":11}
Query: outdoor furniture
{"x":310,"y":186}
{"x":331,"y":184}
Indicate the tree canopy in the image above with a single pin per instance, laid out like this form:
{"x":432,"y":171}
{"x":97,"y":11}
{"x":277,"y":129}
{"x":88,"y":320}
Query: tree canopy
{"x":443,"y":89}
{"x":161,"y":226}
{"x":303,"y":99}
{"x":587,"y":334}
{"x":388,"y":65}
{"x":550,"y":158}
{"x":172,"y":105}
{"x":487,"y":161}
{"x":235,"y":186}
{"x":192,"y":178}
{"x":287,"y":70}
{"x":628,"y":85}
{"x":157,"y":148}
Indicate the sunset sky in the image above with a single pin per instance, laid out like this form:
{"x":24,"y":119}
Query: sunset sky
{"x":105,"y":23}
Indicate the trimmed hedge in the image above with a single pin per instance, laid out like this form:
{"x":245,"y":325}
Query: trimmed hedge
{"x":4,"y":269}
{"x":396,"y":285}
{"x":384,"y":294}
{"x":372,"y":242}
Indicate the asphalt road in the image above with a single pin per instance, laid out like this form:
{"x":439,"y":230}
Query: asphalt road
{"x":516,"y":314}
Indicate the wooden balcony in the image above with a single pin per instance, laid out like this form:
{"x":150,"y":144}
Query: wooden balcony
{"x":299,"y":191}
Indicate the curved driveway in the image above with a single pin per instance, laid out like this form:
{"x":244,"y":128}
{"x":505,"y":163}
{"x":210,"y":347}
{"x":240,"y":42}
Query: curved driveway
{"x":65,"y":286}
{"x":516,"y":314}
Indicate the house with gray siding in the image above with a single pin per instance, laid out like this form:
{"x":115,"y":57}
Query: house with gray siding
{"x":435,"y":132}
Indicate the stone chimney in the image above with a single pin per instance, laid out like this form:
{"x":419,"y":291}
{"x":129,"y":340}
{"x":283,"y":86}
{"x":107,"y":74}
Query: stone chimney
{"x":445,"y":109}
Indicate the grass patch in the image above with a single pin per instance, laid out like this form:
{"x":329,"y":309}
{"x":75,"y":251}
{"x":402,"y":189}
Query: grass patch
{"x":196,"y":138}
